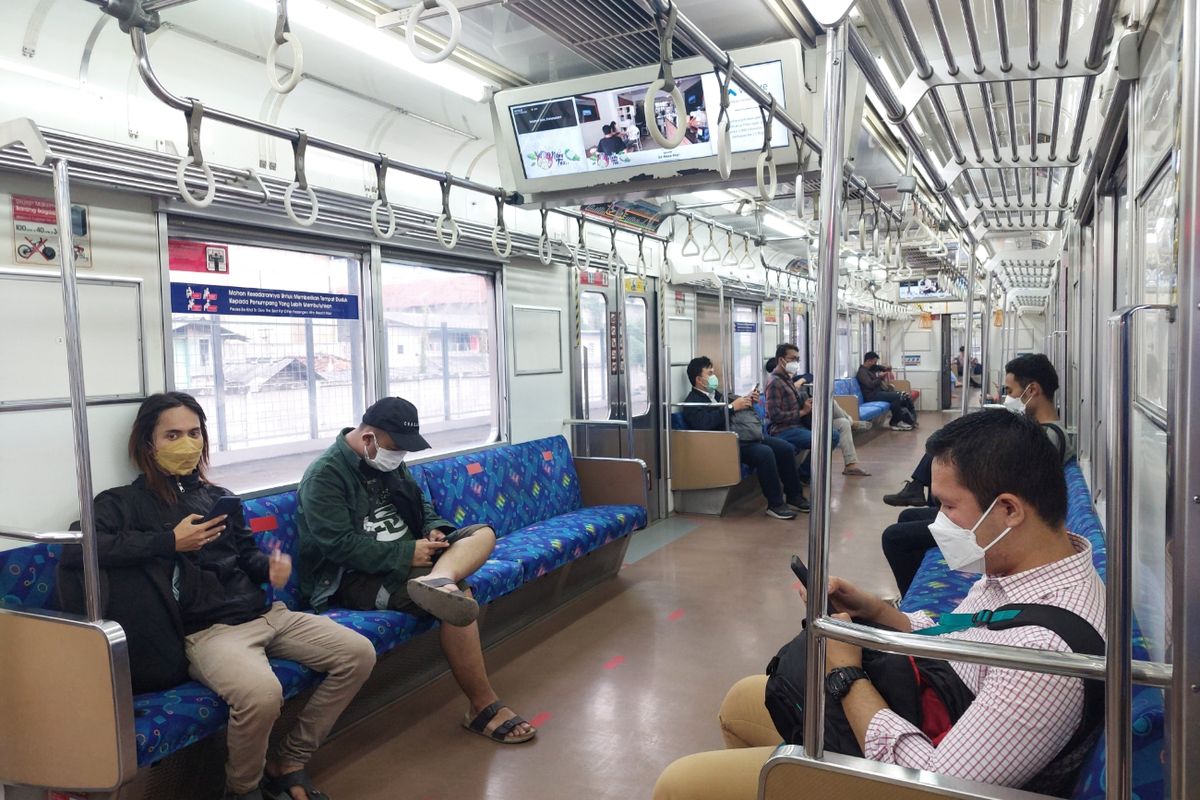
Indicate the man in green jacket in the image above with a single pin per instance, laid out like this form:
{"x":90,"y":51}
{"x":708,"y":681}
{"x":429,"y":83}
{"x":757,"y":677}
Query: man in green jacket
{"x":371,"y":540}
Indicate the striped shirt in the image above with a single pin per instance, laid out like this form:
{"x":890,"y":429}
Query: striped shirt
{"x":1019,"y":720}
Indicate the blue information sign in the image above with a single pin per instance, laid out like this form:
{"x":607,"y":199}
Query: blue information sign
{"x":745,"y":327}
{"x":196,"y":298}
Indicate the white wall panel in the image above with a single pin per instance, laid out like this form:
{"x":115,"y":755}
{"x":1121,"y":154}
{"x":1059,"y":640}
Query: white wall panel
{"x":538,"y":404}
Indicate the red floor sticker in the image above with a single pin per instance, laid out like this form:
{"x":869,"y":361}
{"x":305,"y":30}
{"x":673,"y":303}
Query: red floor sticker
{"x":614,"y":662}
{"x":676,"y":614}
{"x":540,"y":720}
{"x":796,"y":585}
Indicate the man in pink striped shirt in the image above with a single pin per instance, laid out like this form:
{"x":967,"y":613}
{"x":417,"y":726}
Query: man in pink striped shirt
{"x":1003,"y":497}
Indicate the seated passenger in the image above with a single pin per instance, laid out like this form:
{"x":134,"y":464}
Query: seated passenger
{"x":1030,"y":383}
{"x":959,"y":360}
{"x":876,"y":389}
{"x":789,"y":411}
{"x":370,"y":540}
{"x":773,"y":460}
{"x":611,"y":142}
{"x":184,"y":581}
{"x":1004,"y":502}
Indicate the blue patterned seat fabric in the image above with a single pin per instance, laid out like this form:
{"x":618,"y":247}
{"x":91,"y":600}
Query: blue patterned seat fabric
{"x":938,"y":589}
{"x":529,"y":492}
{"x":866,"y":411}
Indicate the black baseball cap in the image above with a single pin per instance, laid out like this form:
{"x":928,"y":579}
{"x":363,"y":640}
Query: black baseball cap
{"x":397,"y":417}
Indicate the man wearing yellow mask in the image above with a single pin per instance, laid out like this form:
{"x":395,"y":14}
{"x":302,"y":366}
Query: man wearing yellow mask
{"x":189,"y":593}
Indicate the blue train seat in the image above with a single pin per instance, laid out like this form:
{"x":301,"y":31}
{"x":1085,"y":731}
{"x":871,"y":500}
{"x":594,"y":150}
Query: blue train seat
{"x":867,"y":412}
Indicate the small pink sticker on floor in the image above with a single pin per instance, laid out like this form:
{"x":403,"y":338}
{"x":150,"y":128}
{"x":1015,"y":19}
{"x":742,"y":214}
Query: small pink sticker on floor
{"x":676,"y":614}
{"x":614,"y":662}
{"x":796,"y":585}
{"x":540,"y":720}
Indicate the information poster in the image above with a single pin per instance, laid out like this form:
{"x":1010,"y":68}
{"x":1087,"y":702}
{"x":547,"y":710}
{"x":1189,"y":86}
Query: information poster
{"x":35,"y":233}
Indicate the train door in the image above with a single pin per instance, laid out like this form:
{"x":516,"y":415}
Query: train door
{"x":616,"y":385}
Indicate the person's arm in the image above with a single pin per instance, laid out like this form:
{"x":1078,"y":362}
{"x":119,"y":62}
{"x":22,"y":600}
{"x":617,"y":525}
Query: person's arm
{"x":120,"y":543}
{"x":1020,"y":718}
{"x":253,"y":561}
{"x":327,"y":517}
{"x":704,"y":419}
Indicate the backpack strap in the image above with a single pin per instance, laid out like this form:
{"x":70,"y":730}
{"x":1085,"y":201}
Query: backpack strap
{"x":1061,"y":442}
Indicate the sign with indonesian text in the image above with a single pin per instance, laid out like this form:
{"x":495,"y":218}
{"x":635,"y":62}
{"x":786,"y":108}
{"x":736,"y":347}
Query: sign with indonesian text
{"x":35,"y":233}
{"x":195,"y":298}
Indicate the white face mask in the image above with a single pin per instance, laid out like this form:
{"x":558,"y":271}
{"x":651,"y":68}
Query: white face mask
{"x":959,"y":546}
{"x":793,"y":368}
{"x":1015,"y":404}
{"x":384,"y":460}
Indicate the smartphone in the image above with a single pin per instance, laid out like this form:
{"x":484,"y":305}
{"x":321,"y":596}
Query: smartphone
{"x":800,"y":570}
{"x":225,"y":505}
{"x":755,"y":389}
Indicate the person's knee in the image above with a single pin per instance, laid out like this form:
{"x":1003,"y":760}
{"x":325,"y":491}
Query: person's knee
{"x":257,"y":697}
{"x":357,"y":655}
{"x":678,"y":781}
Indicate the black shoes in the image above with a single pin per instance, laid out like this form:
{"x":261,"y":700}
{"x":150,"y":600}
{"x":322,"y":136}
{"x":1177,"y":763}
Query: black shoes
{"x":913,"y":494}
{"x":781,"y":512}
{"x":800,"y":504}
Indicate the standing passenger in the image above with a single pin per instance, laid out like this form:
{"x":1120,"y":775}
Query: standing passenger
{"x":206,"y":579}
{"x":370,"y":540}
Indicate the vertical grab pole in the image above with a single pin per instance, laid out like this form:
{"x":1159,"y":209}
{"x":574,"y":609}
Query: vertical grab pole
{"x":83,"y":456}
{"x":985,"y":340}
{"x":1183,"y":507}
{"x":726,"y":345}
{"x":1118,"y":684}
{"x":826,"y":296}
{"x":968,"y":344}
{"x":623,"y":367}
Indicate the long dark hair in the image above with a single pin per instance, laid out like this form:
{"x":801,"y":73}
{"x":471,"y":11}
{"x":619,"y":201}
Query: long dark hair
{"x":141,"y":448}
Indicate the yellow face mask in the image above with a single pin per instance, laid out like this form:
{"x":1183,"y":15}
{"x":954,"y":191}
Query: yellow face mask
{"x":181,"y":456}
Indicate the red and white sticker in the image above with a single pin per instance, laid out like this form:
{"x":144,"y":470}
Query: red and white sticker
{"x":35,"y":233}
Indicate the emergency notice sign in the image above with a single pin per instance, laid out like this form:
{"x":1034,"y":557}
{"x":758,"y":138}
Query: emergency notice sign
{"x":35,"y":233}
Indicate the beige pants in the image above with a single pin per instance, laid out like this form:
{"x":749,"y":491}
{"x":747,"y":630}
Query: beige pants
{"x":730,"y":774}
{"x":232,"y":661}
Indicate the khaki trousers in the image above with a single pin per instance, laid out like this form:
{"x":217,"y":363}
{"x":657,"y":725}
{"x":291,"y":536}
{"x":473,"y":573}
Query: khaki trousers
{"x":232,"y":661}
{"x":730,"y":774}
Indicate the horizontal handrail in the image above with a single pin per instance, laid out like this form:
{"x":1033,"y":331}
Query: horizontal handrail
{"x":695,"y":405}
{"x":612,"y":423}
{"x":1074,"y":665}
{"x":56,"y":537}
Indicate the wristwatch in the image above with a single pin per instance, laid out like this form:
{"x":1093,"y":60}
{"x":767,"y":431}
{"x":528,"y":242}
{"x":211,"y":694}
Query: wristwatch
{"x":839,"y":681}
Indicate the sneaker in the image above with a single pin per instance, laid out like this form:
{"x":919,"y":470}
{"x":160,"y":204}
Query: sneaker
{"x":801,"y":505}
{"x":781,"y":512}
{"x":913,"y":494}
{"x":900,"y":426}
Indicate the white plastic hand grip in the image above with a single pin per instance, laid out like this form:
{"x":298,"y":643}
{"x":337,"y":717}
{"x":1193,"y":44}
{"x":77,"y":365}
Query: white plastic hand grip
{"x":185,"y":193}
{"x":545,"y":251}
{"x":648,"y":106}
{"x":447,"y":224}
{"x":292,"y":80}
{"x":724,"y":148}
{"x":390,"y":230}
{"x":410,"y":32}
{"x":768,"y":178}
{"x":291,"y":212}
{"x":497,"y":233}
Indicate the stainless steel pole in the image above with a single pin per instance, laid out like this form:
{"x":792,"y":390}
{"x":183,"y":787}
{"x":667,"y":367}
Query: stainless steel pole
{"x":985,"y":340}
{"x":968,"y":344}
{"x":79,"y":421}
{"x":826,"y":302}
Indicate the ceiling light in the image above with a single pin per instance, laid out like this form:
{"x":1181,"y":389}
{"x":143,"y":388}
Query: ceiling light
{"x":360,"y":35}
{"x":783,"y":226}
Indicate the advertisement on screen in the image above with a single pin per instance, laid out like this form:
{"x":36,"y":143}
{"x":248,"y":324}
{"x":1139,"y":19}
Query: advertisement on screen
{"x":921,"y":289}
{"x":608,"y":129}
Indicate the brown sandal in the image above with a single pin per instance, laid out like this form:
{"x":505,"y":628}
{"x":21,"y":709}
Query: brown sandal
{"x":452,"y":607}
{"x":854,"y":469}
{"x":503,"y":733}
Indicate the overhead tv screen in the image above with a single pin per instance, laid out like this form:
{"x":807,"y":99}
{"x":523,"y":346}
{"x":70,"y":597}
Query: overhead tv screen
{"x":608,"y":129}
{"x":927,"y":288}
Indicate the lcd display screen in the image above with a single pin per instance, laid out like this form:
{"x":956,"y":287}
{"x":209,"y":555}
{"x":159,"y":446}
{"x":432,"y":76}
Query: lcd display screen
{"x":608,"y":129}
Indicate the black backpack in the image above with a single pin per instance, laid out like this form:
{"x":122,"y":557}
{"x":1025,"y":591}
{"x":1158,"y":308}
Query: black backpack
{"x":895,"y":677}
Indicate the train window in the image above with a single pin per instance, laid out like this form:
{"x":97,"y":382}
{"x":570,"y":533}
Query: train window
{"x":593,"y":325}
{"x":639,"y":378}
{"x":844,"y":366}
{"x":747,"y":358}
{"x":272,"y":347}
{"x":440,"y":328}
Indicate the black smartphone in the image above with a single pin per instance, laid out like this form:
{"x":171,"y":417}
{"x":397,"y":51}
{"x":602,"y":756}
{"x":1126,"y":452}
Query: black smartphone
{"x":225,"y":505}
{"x":800,"y":570}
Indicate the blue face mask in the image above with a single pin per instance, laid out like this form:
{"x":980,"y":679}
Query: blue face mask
{"x":713,"y":383}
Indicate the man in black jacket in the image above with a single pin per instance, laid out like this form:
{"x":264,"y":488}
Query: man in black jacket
{"x":875,"y":388}
{"x":773,"y":459}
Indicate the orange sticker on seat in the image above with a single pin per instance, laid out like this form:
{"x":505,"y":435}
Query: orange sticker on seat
{"x":474,"y":468}
{"x":260,"y":524}
{"x":547,"y":455}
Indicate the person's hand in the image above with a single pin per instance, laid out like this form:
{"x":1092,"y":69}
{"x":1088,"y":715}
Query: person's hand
{"x":425,"y":551}
{"x":807,"y":407}
{"x":841,"y":654}
{"x":847,"y":598}
{"x":280,"y":567}
{"x":742,"y":403}
{"x":191,"y":534}
{"x":436,"y":535}
{"x":755,"y":396}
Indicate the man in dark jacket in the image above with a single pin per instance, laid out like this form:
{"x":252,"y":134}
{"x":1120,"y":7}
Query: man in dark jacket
{"x":773,"y":459}
{"x":370,"y":539}
{"x":875,"y":388}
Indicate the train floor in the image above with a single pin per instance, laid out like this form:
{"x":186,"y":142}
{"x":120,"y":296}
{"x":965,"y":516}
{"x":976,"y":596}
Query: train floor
{"x":628,"y":677}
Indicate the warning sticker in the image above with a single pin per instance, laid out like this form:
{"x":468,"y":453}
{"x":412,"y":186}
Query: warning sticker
{"x":35,"y":233}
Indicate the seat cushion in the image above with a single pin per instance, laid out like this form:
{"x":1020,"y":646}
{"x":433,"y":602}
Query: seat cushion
{"x":272,"y":519}
{"x":507,"y":487}
{"x":385,"y":629}
{"x":872,"y":410}
{"x":28,"y":576}
{"x":545,"y":546}
{"x":677,"y":421}
{"x":495,"y":579}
